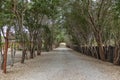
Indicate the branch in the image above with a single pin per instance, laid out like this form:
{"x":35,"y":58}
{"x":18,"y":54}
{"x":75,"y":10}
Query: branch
{"x":100,"y":8}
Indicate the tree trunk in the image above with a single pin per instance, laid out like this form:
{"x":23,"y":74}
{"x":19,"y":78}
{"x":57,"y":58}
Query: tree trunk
{"x":100,"y":45}
{"x":23,"y":52}
{"x":101,"y":52}
{"x":39,"y":48}
{"x":117,"y":56}
{"x":23,"y":55}
{"x":5,"y":51}
{"x":32,"y":53}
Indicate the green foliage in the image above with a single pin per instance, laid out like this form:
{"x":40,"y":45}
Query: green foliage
{"x":57,"y":20}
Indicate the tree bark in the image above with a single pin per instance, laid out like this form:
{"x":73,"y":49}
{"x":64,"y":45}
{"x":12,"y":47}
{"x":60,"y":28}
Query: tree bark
{"x":5,"y":51}
{"x":39,"y":48}
{"x":117,"y":56}
{"x":32,"y":53}
{"x":23,"y":55}
{"x":100,"y":45}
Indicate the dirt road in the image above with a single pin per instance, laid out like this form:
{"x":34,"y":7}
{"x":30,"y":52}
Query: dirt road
{"x":63,"y":64}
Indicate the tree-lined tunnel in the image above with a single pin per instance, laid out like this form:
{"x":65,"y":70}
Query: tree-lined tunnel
{"x":29,"y":28}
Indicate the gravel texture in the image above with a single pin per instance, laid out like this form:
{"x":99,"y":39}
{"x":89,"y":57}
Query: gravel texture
{"x":62,"y":64}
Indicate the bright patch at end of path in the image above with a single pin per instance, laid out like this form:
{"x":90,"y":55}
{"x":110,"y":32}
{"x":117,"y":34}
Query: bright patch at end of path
{"x":62,"y":64}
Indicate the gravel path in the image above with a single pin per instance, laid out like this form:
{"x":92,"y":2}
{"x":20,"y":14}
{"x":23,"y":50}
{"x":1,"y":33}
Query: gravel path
{"x":62,"y":64}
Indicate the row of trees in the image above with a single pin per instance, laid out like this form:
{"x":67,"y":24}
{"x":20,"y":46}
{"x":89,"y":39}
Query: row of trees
{"x":88,"y":23}
{"x":30,"y":22}
{"x":94,"y":23}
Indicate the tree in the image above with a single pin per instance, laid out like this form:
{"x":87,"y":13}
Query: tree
{"x":89,"y":18}
{"x":7,"y":20}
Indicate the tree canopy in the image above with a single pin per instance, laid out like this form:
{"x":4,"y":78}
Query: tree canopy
{"x":42,"y":24}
